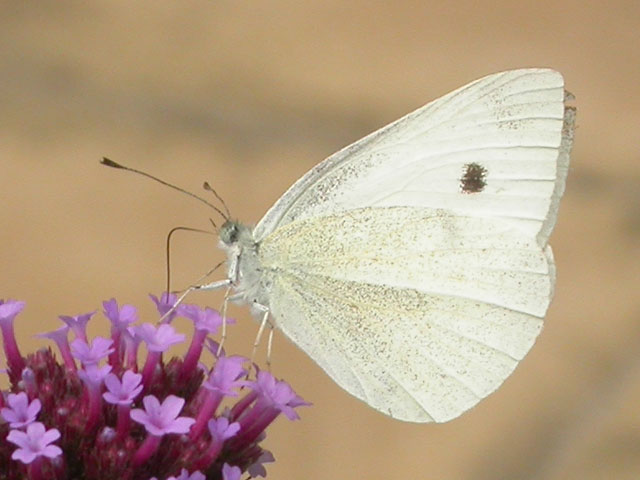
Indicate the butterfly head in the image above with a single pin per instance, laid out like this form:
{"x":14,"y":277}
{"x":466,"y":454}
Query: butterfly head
{"x":234,"y":233}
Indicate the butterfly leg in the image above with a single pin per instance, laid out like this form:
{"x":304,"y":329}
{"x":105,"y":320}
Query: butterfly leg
{"x":217,"y":285}
{"x":269,"y":344}
{"x":263,"y":323}
{"x":228,"y":282}
{"x":223,"y":335}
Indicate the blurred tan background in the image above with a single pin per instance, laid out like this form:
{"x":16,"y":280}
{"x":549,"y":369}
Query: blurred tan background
{"x":250,"y":95}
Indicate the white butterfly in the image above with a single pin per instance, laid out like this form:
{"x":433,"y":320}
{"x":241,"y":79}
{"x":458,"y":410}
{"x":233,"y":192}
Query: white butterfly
{"x":413,"y":266}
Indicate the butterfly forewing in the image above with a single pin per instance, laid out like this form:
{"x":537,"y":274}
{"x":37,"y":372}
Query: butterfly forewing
{"x":510,"y":124}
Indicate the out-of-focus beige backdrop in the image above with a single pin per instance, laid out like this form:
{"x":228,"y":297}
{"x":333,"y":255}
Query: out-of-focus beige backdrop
{"x":250,"y":95}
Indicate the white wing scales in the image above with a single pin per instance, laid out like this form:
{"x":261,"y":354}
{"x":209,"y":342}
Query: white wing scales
{"x":419,"y":313}
{"x":512,"y":122}
{"x":413,"y":295}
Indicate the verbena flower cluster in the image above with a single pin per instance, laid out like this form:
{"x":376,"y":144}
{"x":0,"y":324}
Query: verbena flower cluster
{"x":97,"y":413}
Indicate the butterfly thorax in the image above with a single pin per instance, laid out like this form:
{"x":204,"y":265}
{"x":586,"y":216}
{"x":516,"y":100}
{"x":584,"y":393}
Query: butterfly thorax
{"x":237,"y":240}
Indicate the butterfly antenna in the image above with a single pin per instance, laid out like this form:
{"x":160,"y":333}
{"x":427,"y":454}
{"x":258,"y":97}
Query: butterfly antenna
{"x":110,"y":163}
{"x":169,"y":235}
{"x":208,"y":187}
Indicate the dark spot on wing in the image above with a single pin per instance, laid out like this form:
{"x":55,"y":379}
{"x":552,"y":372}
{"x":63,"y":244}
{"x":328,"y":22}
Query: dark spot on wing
{"x":473,"y":179}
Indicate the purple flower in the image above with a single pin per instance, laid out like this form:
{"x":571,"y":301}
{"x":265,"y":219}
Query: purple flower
{"x":158,"y":419}
{"x":91,"y":355}
{"x":122,"y":393}
{"x":225,"y":375}
{"x":93,"y":413}
{"x":230,"y":472}
{"x":166,"y":303}
{"x":271,"y":397}
{"x":278,"y":394}
{"x":131,"y":343}
{"x":92,"y":375}
{"x":34,"y":443}
{"x":8,"y":311}
{"x":125,"y":391}
{"x":78,"y":324}
{"x":206,"y":319}
{"x":184,"y":475}
{"x":222,"y":382}
{"x":61,"y":337}
{"x":121,"y":317}
{"x":159,"y":339}
{"x":20,"y":412}
{"x":206,"y":322}
{"x":162,"y":418}
{"x":220,"y":429}
{"x":257,"y":469}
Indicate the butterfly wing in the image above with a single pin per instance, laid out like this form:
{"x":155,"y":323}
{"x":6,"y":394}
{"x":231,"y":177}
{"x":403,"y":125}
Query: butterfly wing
{"x":417,"y":312}
{"x":513,"y":124}
{"x":413,"y":265}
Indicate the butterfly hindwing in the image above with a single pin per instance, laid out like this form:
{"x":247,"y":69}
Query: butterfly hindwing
{"x":418,"y":312}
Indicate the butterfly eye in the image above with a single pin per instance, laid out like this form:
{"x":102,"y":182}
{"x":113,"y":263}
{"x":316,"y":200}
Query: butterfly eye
{"x":233,"y":234}
{"x":229,"y":233}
